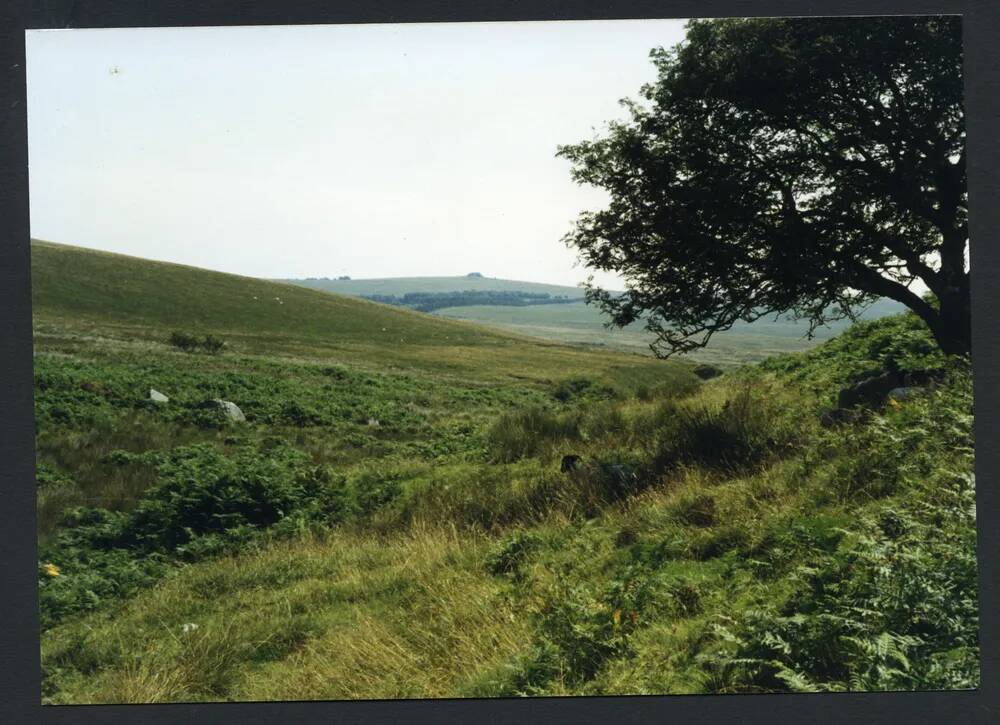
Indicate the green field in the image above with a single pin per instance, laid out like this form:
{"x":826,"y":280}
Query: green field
{"x":392,"y":518}
{"x":584,"y":325}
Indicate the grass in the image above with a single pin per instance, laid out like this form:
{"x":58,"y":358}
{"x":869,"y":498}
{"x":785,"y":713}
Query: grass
{"x":392,"y":520}
{"x":583,"y":325}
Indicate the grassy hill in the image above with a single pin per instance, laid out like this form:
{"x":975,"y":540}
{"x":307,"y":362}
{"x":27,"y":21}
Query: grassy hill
{"x":393,"y":519}
{"x":78,"y":293}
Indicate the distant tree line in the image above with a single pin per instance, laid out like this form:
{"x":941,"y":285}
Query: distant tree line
{"x":430,"y":301}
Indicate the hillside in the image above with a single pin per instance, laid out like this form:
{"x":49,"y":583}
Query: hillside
{"x":395,"y":517}
{"x":79,"y":292}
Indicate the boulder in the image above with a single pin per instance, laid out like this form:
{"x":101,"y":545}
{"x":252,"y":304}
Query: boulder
{"x":905,"y":392}
{"x":157,"y":397}
{"x":870,"y":391}
{"x":228,"y":409}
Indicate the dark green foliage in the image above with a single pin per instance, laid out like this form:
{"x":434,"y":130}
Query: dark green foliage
{"x":212,"y":345}
{"x":581,"y":388}
{"x":201,"y":491}
{"x":864,"y":350}
{"x":203,"y":503}
{"x":508,"y":558}
{"x":189,"y":343}
{"x":773,"y":167}
{"x":707,"y":372}
{"x":183,"y":341}
{"x":48,"y":476}
{"x":93,"y":569}
{"x":586,"y":628}
{"x":891,"y":610}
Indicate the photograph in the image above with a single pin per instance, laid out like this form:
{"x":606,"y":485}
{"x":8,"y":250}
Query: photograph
{"x":522,"y":359}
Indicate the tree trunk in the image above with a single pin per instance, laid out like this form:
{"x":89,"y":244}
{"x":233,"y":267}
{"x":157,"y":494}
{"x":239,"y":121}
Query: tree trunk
{"x":952,"y":328}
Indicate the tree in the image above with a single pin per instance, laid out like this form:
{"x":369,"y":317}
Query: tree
{"x":805,"y":166}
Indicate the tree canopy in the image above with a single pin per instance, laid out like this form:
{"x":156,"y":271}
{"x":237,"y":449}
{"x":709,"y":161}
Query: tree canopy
{"x":802,"y":165}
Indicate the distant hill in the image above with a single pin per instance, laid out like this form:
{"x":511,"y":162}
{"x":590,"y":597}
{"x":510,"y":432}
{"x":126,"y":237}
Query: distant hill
{"x":399,"y":286}
{"x":581,"y":324}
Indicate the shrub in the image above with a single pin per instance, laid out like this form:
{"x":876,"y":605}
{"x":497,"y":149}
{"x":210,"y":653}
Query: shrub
{"x":201,"y":491}
{"x":189,"y":343}
{"x":183,"y":341}
{"x":524,"y":433}
{"x":212,"y":345}
{"x":738,"y":434}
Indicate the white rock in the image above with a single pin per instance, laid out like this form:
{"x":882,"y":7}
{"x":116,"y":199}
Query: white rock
{"x":230,"y":410}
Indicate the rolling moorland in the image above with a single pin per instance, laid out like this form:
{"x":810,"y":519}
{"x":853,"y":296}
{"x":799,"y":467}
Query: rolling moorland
{"x":392,"y":518}
{"x":577,"y":323}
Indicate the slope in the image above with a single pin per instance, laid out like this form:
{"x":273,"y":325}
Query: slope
{"x":79,"y":293}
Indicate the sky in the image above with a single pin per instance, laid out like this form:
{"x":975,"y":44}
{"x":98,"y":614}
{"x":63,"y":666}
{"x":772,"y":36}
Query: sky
{"x":321,"y":151}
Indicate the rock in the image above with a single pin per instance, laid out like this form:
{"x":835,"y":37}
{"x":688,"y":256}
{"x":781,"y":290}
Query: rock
{"x":905,"y":392}
{"x":157,"y":397}
{"x":707,"y":372}
{"x":870,"y":391}
{"x":569,"y":463}
{"x":228,"y":409}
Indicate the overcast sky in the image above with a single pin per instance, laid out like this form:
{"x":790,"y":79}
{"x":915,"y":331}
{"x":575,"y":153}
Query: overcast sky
{"x":319,"y":151}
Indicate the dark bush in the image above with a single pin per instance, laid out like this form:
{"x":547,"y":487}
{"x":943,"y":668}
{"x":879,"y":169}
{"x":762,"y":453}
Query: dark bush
{"x":189,"y":343}
{"x":183,"y":341}
{"x":201,"y":491}
{"x":212,"y":345}
{"x":707,"y":372}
